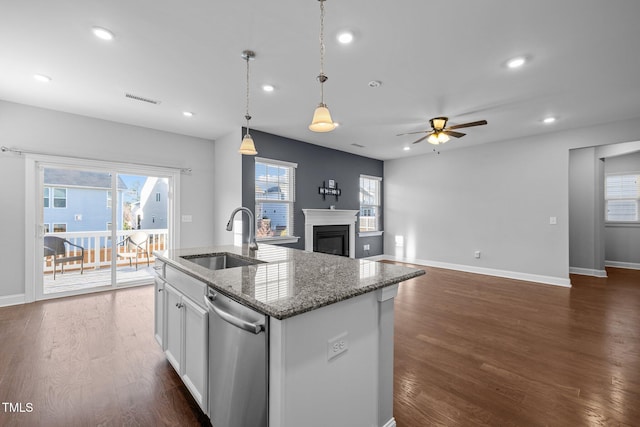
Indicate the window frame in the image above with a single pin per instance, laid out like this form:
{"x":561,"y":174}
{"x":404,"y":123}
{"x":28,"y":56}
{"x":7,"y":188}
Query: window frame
{"x":53,"y":198}
{"x":378,"y":207}
{"x":290,"y":237}
{"x":608,"y":198}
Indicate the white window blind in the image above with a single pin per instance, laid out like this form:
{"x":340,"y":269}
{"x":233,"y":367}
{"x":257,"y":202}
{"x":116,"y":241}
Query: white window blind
{"x":275,"y":197}
{"x":622,"y":193}
{"x":370,"y":203}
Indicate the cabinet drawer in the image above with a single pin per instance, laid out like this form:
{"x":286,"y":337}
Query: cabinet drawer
{"x":194,"y":289}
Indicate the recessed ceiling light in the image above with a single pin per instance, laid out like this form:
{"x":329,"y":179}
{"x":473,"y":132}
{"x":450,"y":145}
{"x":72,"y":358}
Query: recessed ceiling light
{"x":42,"y":78}
{"x":187,"y":113}
{"x":345,"y":37}
{"x":516,"y":62}
{"x":102,"y":33}
{"x":407,"y":148}
{"x":549,"y":120}
{"x":268,"y":88}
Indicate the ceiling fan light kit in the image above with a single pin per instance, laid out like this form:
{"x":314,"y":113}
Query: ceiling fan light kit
{"x":440,"y":133}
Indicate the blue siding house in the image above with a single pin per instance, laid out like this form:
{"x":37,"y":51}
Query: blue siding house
{"x":76,"y":200}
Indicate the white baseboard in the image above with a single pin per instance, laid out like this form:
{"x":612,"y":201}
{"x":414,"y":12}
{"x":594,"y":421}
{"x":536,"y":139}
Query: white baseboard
{"x":537,"y":278}
{"x":619,"y":264}
{"x":12,"y":300}
{"x":587,"y":272}
{"x":390,"y":423}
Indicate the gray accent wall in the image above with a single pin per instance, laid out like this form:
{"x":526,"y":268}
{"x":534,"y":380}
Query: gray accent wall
{"x":315,"y":164}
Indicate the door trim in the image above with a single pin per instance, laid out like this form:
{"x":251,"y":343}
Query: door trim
{"x":33,"y":199}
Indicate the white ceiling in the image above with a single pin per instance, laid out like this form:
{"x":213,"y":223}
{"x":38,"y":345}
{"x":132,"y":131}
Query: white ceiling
{"x":433,"y":58}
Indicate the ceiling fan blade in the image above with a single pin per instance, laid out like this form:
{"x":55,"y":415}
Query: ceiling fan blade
{"x":412,"y":133}
{"x":454,"y":133}
{"x":421,"y":139}
{"x":468,"y":125}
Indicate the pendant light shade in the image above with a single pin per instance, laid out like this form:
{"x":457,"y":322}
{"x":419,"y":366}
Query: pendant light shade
{"x":321,"y":117}
{"x":247,"y":147}
{"x":322,"y":120}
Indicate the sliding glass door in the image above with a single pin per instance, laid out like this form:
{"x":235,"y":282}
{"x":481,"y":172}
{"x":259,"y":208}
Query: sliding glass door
{"x":98,"y":226}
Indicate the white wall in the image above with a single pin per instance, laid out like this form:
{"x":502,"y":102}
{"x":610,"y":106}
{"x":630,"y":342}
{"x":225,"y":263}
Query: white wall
{"x":622,"y":241}
{"x":586,"y":220}
{"x":228,"y":188}
{"x":36,"y":129}
{"x":496,"y":198}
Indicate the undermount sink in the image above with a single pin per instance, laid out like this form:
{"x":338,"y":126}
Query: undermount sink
{"x":221,"y":261}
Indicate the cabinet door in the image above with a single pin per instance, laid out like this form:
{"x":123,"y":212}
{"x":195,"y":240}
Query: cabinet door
{"x":173,"y":314}
{"x":158,"y":311}
{"x":196,"y":350}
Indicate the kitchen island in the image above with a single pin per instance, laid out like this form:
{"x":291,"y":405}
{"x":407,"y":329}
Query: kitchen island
{"x":328,"y":329}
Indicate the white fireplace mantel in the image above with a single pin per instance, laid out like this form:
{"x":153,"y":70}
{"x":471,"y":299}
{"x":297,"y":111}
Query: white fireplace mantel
{"x":330,"y":217}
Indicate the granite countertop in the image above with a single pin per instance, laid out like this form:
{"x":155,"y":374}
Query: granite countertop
{"x":289,"y":281}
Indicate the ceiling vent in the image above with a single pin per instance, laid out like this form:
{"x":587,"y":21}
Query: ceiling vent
{"x":140,"y":98}
{"x":358,"y":145}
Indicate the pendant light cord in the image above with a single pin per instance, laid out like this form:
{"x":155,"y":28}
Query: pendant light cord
{"x":322,"y":77}
{"x":247,"y":116}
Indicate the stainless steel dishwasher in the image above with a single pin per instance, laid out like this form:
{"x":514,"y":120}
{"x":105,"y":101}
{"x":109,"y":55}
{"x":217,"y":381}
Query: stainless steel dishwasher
{"x":238,"y":363}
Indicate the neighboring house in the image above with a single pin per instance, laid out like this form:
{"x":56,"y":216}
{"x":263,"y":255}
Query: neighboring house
{"x":271,"y":217}
{"x":76,"y":200}
{"x":152,"y":209}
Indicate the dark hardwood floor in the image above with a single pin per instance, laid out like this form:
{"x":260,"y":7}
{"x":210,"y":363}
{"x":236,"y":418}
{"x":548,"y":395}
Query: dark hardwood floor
{"x":469,"y":350}
{"x":475,"y":350}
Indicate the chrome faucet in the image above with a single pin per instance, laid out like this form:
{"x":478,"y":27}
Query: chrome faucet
{"x":252,"y":223}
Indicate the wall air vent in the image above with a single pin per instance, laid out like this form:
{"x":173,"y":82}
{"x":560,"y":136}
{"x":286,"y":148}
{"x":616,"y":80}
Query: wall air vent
{"x":358,"y":145}
{"x":140,"y":98}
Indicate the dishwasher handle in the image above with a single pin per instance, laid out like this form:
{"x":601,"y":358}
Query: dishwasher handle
{"x":254,"y":328}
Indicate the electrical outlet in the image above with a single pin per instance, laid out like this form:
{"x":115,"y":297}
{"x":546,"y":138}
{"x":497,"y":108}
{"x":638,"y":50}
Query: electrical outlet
{"x":367,"y":247}
{"x":477,"y":254}
{"x":337,"y":345}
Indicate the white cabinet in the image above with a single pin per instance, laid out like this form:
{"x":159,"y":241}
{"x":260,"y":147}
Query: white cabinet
{"x":195,"y":362}
{"x":158,"y":313}
{"x":185,"y":341}
{"x":174,"y":325}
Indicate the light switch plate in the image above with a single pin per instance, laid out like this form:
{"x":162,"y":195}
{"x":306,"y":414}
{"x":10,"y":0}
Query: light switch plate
{"x":187,"y":218}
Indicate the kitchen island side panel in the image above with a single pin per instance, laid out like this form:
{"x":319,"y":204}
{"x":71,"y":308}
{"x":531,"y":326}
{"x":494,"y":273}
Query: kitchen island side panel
{"x":308,"y":389}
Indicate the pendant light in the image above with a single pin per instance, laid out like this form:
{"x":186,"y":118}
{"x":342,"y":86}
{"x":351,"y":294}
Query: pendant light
{"x":321,"y":117}
{"x":247,"y":146}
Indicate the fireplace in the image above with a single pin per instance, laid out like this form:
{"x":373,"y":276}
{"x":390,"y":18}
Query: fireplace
{"x":331,"y":239}
{"x":323,"y":217}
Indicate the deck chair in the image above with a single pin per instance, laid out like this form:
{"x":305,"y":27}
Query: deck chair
{"x":135,"y":244}
{"x":60,"y":250}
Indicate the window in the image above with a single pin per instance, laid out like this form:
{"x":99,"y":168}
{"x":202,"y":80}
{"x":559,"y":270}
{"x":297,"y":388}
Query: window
{"x":59,"y":228}
{"x":59,"y":197}
{"x":157,"y":197}
{"x":46,"y":196}
{"x":622,"y":194}
{"x":46,"y":228}
{"x":370,"y":203}
{"x":275,"y":196}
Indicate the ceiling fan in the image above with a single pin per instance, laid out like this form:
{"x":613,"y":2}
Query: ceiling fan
{"x":440,"y":133}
